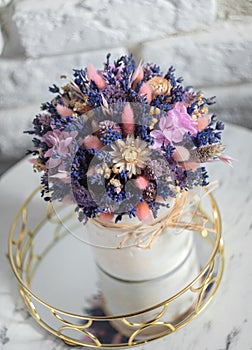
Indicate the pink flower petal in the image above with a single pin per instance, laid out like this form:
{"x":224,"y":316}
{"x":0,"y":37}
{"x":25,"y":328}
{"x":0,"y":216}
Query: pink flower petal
{"x":190,"y":165}
{"x":143,"y":211}
{"x":128,"y":120}
{"x":53,"y":162}
{"x":91,"y":141}
{"x":226,"y":159}
{"x":97,"y":79}
{"x":64,"y":111}
{"x":49,"y":152}
{"x":141,"y":182}
{"x":168,"y":134}
{"x":62,"y":175}
{"x":181,"y":154}
{"x":203,"y":122}
{"x":162,"y":123}
{"x":137,"y":75}
{"x":147,"y":91}
{"x":177,"y":134}
{"x":157,"y":134}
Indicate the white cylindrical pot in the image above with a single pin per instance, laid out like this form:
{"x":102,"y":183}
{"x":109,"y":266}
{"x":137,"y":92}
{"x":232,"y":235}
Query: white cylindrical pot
{"x":123,"y":296}
{"x":133,"y":278}
{"x":135,"y":263}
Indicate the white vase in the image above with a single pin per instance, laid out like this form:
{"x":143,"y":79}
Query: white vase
{"x":133,"y":278}
{"x":124,"y":297}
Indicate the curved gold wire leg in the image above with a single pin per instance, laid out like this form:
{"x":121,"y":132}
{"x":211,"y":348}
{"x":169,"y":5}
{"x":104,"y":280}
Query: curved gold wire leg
{"x":29,"y":304}
{"x":155,"y":319}
{"x":83,"y":331}
{"x":208,"y":280}
{"x":68,"y":323}
{"x":149,"y":326}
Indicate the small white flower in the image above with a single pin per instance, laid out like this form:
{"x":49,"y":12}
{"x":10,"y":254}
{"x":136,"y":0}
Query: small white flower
{"x":131,"y":154}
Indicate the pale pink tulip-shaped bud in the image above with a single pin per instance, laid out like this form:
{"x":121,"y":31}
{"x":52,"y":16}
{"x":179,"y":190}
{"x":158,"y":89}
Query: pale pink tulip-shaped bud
{"x":64,"y":111}
{"x":137,"y":75}
{"x":141,"y":182}
{"x":203,"y":122}
{"x":106,"y":216}
{"x":92,"y":141}
{"x":190,"y":165}
{"x":143,"y":211}
{"x":226,"y":159}
{"x":147,"y":91}
{"x":93,"y":75}
{"x":128,"y":120}
{"x":181,"y":154}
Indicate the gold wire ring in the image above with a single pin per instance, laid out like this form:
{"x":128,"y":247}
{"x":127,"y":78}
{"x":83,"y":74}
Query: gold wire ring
{"x":21,"y":245}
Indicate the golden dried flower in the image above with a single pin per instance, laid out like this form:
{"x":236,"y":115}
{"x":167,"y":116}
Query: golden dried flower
{"x":159,"y":86}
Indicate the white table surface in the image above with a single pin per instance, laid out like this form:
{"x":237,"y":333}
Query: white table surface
{"x":226,"y":324}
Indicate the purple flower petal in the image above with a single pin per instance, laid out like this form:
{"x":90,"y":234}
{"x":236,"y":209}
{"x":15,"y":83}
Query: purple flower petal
{"x":177,"y":135}
{"x":162,"y":123}
{"x":168,"y":134}
{"x":53,"y":162}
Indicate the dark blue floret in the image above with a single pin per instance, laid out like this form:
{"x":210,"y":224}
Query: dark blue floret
{"x":54,"y":89}
{"x":168,"y":150}
{"x":117,"y":197}
{"x":164,"y":190}
{"x":124,"y":175}
{"x":219,"y":125}
{"x":207,"y":136}
{"x":110,"y":136}
{"x":144,"y":133}
{"x":171,"y":76}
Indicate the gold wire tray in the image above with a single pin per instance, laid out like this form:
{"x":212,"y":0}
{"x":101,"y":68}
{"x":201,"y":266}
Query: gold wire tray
{"x":57,"y":280}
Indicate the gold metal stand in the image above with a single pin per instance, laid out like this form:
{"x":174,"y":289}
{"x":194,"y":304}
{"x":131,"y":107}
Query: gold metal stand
{"x":76,"y":329}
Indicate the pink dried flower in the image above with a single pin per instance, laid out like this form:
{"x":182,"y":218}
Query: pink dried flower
{"x":106,"y":216}
{"x":92,"y":74}
{"x":62,"y":175}
{"x":91,"y":141}
{"x":181,"y":154}
{"x":58,"y":141}
{"x":226,"y":159}
{"x":141,"y":182}
{"x":64,"y":111}
{"x":143,"y":211}
{"x":203,"y":122}
{"x":147,"y":91}
{"x":138,"y":75}
{"x":128,"y":120}
{"x":190,"y":165}
{"x":174,"y":126}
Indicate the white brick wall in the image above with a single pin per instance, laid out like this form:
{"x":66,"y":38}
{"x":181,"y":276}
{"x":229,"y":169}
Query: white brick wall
{"x":233,"y":103}
{"x":4,"y":3}
{"x":1,"y":41}
{"x":59,"y":26}
{"x":28,"y":80}
{"x":13,"y":142}
{"x":220,"y":55}
{"x":209,"y":42}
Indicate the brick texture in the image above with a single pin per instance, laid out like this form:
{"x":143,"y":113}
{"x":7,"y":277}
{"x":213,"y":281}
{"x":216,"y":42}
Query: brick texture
{"x":220,"y":55}
{"x":59,"y":26}
{"x":27,"y":81}
{"x":13,"y":143}
{"x":1,"y":41}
